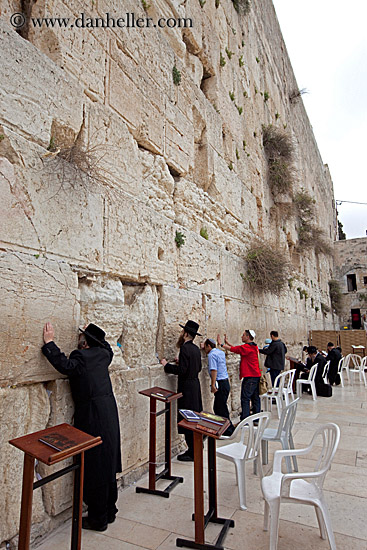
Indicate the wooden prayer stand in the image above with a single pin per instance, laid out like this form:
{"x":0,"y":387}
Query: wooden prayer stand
{"x":201,"y":519}
{"x":166,"y":396}
{"x":294,"y":364}
{"x":75,"y":443}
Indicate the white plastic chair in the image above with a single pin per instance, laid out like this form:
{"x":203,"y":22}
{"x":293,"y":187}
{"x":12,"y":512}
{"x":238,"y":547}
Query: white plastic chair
{"x":301,"y":487}
{"x":247,"y":449}
{"x":288,"y":385}
{"x":343,"y":366}
{"x":283,"y":434}
{"x":276,"y":392}
{"x":309,"y":381}
{"x":325,"y":373}
{"x":358,"y":367}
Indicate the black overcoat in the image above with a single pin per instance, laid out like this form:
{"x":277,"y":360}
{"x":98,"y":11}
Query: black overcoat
{"x":95,"y":407}
{"x":321,"y":362}
{"x":187,"y":371}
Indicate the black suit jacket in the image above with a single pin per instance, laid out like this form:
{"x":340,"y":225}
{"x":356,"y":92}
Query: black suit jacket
{"x":187,"y":371}
{"x":275,"y":353}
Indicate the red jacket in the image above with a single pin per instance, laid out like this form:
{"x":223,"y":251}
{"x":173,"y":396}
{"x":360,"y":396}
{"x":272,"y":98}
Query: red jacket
{"x":249,"y":365}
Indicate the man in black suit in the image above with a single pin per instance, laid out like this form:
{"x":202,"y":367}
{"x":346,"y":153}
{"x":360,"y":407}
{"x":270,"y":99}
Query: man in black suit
{"x":187,"y":371}
{"x":96,"y":414}
{"x":334,"y":357}
{"x":275,"y":353}
{"x":315,"y":357}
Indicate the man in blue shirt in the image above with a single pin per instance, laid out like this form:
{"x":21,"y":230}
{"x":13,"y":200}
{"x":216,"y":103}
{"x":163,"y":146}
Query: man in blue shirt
{"x":219,"y":383}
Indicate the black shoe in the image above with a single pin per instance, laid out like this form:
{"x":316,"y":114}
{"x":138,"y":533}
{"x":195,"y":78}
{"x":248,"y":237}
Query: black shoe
{"x":185,"y":458}
{"x":111,"y":518}
{"x":92,"y":526}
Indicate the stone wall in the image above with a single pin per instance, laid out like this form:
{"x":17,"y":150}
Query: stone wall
{"x":351,"y":258}
{"x":102,"y":159}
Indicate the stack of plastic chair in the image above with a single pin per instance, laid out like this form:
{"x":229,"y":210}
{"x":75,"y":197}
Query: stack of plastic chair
{"x":283,"y":434}
{"x":357,"y":365}
{"x":276,"y":392}
{"x":343,"y":366}
{"x":288,"y":385}
{"x":301,"y":487}
{"x":325,"y":373}
{"x":308,"y":381}
{"x":247,"y":449}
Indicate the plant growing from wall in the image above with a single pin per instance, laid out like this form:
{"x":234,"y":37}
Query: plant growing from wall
{"x":241,"y":61}
{"x":266,"y":96}
{"x":296,"y":94}
{"x":239,"y":109}
{"x":309,"y":236}
{"x":176,"y":75}
{"x":335,"y":295}
{"x":204,"y":233}
{"x":179,"y":239}
{"x":222,"y":60}
{"x":279,"y":149}
{"x":243,"y":7}
{"x":342,"y":236}
{"x":229,"y":53}
{"x":267,"y":268}
{"x":231,"y":95}
{"x":325,"y":308}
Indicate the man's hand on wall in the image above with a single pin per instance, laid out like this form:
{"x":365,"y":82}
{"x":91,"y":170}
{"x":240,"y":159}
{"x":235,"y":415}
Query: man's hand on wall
{"x":48,"y":333}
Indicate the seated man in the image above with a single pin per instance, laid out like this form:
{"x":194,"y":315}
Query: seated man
{"x":314,"y":357}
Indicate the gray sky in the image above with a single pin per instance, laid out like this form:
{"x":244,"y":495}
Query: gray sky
{"x":327,"y":45}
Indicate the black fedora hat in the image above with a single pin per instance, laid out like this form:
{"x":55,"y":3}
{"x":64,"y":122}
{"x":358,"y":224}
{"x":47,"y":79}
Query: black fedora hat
{"x":94,"y":332}
{"x":191,"y":327}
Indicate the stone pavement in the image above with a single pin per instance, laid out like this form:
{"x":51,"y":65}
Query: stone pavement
{"x":151,"y":522}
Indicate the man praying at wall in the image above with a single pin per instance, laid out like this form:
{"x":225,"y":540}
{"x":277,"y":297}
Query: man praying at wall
{"x":219,"y":383}
{"x":249,"y":371}
{"x":187,"y":371}
{"x":96,"y":414}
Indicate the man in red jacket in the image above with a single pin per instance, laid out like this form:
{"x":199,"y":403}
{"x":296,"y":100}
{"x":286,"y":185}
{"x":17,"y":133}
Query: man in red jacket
{"x":249,"y":371}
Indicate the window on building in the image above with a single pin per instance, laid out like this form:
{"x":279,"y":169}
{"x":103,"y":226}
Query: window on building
{"x":365,"y":281}
{"x":351,"y":282}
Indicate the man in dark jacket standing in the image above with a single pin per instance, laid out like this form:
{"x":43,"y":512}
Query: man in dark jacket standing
{"x":187,"y":371}
{"x":334,"y":357}
{"x":96,"y":414}
{"x":275,"y":355}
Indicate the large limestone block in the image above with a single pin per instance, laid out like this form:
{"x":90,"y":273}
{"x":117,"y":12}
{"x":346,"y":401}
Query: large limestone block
{"x":133,"y":412}
{"x":140,"y":325}
{"x":47,"y":92}
{"x":179,"y":139}
{"x":137,"y":98}
{"x":22,"y":410}
{"x":128,"y":313}
{"x":45,"y":208}
{"x":232,"y":284}
{"x":177,"y":305}
{"x":198,"y":264}
{"x":115,"y":149}
{"x":226,"y":187}
{"x":33,"y":291}
{"x":157,"y":183}
{"x":139,"y":243}
{"x":80,"y":51}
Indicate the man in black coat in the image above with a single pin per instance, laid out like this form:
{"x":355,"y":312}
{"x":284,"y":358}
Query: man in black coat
{"x":315,"y":357}
{"x":96,"y":414}
{"x":334,"y":357}
{"x":187,"y":371}
{"x":275,"y":355}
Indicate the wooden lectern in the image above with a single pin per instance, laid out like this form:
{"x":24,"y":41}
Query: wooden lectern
{"x":166,"y":396}
{"x":201,"y":519}
{"x":51,"y":446}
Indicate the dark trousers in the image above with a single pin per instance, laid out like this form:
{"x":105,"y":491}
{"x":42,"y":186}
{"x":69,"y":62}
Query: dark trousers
{"x":189,"y":438}
{"x":101,"y":501}
{"x":273,"y":374}
{"x":250,"y":392}
{"x":220,"y":403}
